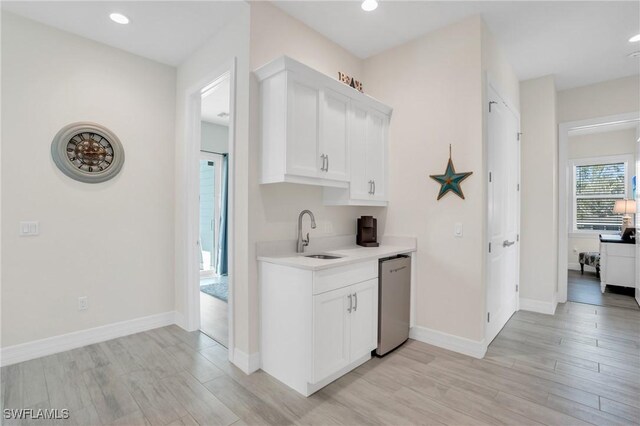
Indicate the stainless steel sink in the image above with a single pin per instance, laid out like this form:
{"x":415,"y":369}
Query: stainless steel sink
{"x":322,"y":256}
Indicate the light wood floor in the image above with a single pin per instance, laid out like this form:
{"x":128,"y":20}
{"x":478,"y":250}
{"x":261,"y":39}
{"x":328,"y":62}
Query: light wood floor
{"x":581,"y":366}
{"x":213,"y":318}
{"x":585,"y":288}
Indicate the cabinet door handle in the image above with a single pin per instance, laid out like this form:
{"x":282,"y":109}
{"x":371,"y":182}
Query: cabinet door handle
{"x":327,"y":157}
{"x":370,"y":186}
{"x":323,"y":158}
{"x":355,"y":296}
{"x":374,"y":187}
{"x":350,"y":304}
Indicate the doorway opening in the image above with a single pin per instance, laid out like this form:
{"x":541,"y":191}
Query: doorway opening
{"x":598,"y":266}
{"x":213,"y":236}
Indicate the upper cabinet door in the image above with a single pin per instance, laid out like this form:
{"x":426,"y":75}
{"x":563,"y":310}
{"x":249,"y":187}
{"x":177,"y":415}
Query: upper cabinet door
{"x":376,"y":153}
{"x":334,"y":136}
{"x":302,"y":125}
{"x":360,"y":181}
{"x":364,"y":318}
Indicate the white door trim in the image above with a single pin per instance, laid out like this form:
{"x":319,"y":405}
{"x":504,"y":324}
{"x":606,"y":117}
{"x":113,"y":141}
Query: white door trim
{"x":192,"y":267}
{"x":564,"y":190}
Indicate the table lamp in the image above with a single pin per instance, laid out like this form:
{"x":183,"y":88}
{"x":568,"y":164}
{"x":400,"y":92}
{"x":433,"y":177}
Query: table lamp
{"x":626,"y":208}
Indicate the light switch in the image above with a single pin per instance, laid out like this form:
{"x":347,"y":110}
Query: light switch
{"x":457,"y":230}
{"x":28,"y":229}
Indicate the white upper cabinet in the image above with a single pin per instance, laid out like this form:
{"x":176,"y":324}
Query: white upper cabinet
{"x":368,"y":141}
{"x":334,"y":135}
{"x":316,"y":130}
{"x":302,"y":143}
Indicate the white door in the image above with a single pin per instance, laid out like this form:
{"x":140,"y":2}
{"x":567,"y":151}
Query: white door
{"x":364,"y":318}
{"x":503,"y":222}
{"x":360,"y":186}
{"x":334,"y":136}
{"x":331,"y":315}
{"x":303,"y":158}
{"x":377,"y":153}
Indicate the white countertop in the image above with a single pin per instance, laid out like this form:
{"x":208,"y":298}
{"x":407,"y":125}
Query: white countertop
{"x":349,"y":254}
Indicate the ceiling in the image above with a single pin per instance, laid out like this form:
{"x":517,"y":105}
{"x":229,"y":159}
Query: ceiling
{"x":580,"y":42}
{"x":164,"y":31}
{"x":216,"y":103}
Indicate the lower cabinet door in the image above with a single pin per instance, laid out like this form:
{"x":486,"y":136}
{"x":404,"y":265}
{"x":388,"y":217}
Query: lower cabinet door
{"x":364,"y":318}
{"x":331,"y":328}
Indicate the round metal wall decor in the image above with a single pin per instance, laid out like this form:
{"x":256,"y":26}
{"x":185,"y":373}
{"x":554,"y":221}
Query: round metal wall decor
{"x":87,"y":152}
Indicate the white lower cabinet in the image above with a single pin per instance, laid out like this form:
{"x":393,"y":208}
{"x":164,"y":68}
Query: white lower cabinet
{"x":344,"y":327}
{"x":312,"y":335}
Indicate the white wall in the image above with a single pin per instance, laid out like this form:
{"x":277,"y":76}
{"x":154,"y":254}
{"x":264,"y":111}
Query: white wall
{"x":599,"y":100}
{"x":498,"y":69}
{"x":214,"y":137}
{"x":434,"y":84}
{"x":600,"y":144}
{"x":274,"y":208}
{"x":232,"y":41}
{"x":539,"y":191}
{"x":113,"y":241}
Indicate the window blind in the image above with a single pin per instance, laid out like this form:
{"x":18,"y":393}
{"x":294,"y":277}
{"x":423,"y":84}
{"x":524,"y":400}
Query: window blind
{"x":598,"y":186}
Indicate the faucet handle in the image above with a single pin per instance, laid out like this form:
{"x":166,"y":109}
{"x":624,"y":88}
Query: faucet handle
{"x":306,"y":242}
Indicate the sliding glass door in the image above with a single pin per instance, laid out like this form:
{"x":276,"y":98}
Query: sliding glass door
{"x":210,"y":193}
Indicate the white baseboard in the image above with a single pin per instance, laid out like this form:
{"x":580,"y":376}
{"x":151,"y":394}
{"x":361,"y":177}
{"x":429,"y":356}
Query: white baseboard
{"x":76,"y":339}
{"x":538,"y":306}
{"x":180,"y":321}
{"x":462,"y":345}
{"x":247,"y":363}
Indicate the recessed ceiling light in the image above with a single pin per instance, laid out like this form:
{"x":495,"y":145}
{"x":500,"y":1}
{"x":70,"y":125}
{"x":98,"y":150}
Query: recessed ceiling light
{"x":369,"y":5}
{"x":634,"y":38}
{"x":119,"y":18}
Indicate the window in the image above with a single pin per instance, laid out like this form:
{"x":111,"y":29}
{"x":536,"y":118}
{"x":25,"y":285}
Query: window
{"x":598,"y":183}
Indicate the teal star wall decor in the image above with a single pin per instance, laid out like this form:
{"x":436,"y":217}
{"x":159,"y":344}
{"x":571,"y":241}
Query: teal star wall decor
{"x":450,"y":181}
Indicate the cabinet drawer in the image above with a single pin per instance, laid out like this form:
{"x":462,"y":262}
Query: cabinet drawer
{"x":341,"y":276}
{"x":623,"y":250}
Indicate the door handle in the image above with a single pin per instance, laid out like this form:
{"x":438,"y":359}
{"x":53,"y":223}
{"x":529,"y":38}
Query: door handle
{"x":350,"y":304}
{"x":507,"y":243}
{"x":355,"y":296}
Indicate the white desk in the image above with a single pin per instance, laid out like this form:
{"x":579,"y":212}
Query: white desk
{"x":617,"y":262}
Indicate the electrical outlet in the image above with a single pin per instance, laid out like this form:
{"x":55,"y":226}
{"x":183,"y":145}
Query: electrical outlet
{"x":29,"y":229}
{"x":83,"y":303}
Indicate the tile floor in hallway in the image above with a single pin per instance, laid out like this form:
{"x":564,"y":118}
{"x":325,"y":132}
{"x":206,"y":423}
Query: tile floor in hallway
{"x":580,"y":366}
{"x":585,"y":288}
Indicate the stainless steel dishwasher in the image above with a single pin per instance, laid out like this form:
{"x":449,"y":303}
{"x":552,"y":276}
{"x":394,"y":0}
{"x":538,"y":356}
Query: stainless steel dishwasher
{"x":394,"y":302}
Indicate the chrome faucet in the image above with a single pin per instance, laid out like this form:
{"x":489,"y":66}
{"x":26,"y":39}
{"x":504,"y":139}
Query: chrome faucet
{"x":302,"y":243}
